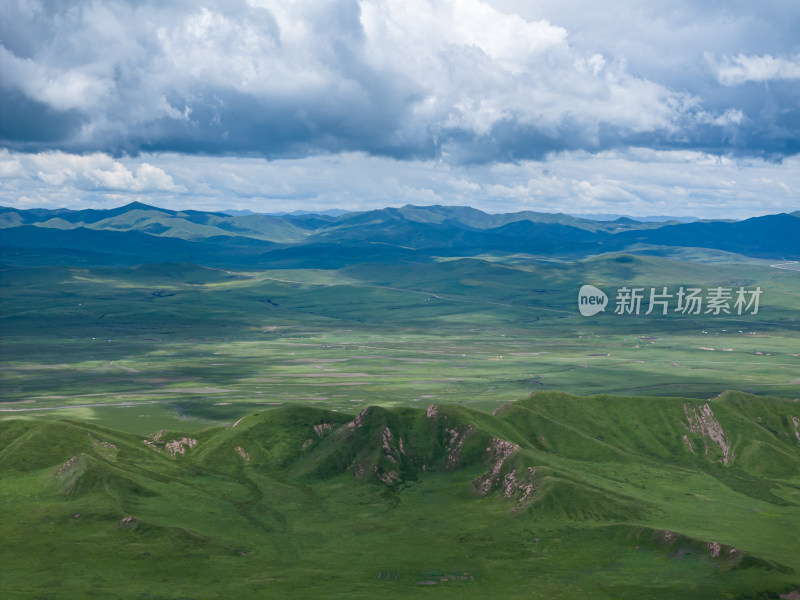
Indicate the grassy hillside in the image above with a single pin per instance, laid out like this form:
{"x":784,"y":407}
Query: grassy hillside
{"x":189,"y":224}
{"x":552,"y":497}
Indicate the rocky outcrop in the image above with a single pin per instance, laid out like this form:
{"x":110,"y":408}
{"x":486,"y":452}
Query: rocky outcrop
{"x":243,"y":454}
{"x":456,"y":443}
{"x":107,"y":445}
{"x":321,"y":428}
{"x":393,"y":450}
{"x":359,"y":420}
{"x":68,"y":465}
{"x":497,"y":452}
{"x":705,"y":423}
{"x":387,"y":478}
{"x":175,"y":447}
{"x":103,"y":448}
{"x":126,"y":522}
{"x":522,"y":486}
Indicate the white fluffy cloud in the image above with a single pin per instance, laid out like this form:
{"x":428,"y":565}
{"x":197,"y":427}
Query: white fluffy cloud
{"x":475,"y":66}
{"x":741,"y":69}
{"x":465,"y":80}
{"x":88,"y":173}
{"x":637,"y":182}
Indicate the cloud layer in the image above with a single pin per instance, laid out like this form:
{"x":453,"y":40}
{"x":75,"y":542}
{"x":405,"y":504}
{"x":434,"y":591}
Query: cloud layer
{"x":637,"y":182}
{"x":463,"y":81}
{"x":558,"y":105}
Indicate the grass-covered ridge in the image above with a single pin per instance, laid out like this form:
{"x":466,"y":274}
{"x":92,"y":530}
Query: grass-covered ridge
{"x":556,"y":495}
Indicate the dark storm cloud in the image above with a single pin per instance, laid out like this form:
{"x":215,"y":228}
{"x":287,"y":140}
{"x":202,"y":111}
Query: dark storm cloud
{"x":468,"y":81}
{"x":28,"y":123}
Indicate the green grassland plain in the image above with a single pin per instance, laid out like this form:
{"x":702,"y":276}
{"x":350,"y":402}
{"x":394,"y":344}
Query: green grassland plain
{"x":154,"y":346}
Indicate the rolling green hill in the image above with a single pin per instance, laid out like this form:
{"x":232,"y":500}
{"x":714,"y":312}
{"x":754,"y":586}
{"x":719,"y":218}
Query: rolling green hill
{"x":429,"y":231}
{"x":471,"y":218}
{"x":554,"y":496}
{"x":189,"y":224}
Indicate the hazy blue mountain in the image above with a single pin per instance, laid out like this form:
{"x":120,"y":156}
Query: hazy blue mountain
{"x":330,"y":212}
{"x":771,"y":236}
{"x":138,"y":232}
{"x":647,"y":219}
{"x":463,"y":215}
{"x":238,"y":213}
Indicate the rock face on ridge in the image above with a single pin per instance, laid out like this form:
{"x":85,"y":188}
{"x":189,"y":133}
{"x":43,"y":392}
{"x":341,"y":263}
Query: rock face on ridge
{"x":702,"y":421}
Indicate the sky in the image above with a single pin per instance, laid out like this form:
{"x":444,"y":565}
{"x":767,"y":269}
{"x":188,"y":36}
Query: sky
{"x":671,"y":107}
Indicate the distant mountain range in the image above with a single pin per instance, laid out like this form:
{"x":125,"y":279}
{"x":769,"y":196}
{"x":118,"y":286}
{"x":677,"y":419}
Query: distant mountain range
{"x":648,"y":219}
{"x":332,"y":212}
{"x":337,"y":212}
{"x":138,"y":233}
